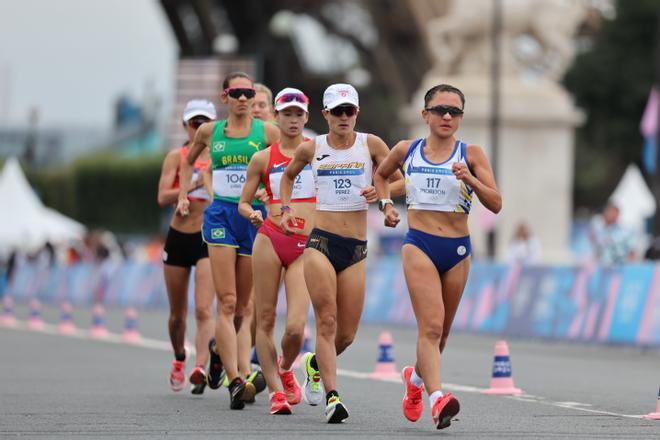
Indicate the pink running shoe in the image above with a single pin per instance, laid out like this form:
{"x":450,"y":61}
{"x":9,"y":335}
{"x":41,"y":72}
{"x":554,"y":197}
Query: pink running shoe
{"x":178,"y":375}
{"x":198,"y":375}
{"x":444,"y":409}
{"x":290,"y":384}
{"x":278,"y":404}
{"x":413,"y":402}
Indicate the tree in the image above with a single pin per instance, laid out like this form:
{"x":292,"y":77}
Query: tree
{"x":611,"y":82}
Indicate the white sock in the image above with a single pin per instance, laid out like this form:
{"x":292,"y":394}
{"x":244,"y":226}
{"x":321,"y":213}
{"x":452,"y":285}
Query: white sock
{"x":415,"y":379}
{"x":435,"y":396}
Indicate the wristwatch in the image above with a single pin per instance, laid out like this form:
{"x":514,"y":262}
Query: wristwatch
{"x":383,"y":202}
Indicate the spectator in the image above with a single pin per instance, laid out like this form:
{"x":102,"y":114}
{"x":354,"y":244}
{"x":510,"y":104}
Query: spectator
{"x":524,"y":248}
{"x":613,"y":243}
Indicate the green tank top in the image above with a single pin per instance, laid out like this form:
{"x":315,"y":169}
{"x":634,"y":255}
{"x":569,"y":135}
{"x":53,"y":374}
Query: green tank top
{"x":230,"y":157}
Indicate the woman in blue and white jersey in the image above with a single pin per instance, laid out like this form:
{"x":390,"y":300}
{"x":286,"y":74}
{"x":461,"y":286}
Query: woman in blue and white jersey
{"x":441,"y":174}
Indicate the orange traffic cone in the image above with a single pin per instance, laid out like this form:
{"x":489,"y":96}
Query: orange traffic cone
{"x":307,"y":346}
{"x":655,"y":415}
{"x":131,"y":333}
{"x":34,"y":321}
{"x":98,"y":330}
{"x":66,"y":325}
{"x":385,"y":366}
{"x":8,"y":319}
{"x":502,"y":380}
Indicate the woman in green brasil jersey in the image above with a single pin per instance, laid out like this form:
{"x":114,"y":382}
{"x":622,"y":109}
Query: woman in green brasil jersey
{"x":232,"y":142}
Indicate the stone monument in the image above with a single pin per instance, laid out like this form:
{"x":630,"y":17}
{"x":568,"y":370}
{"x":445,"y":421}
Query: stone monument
{"x":537,"y":116}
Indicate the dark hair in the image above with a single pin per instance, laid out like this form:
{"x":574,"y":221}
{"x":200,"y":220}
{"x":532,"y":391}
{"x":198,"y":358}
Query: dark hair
{"x":225,"y":83}
{"x":442,"y":88}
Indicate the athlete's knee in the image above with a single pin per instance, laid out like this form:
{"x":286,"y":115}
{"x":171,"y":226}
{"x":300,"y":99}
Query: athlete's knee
{"x":266,"y":320}
{"x":203,"y":314}
{"x":327,"y":325}
{"x":432,"y":331}
{"x":227,"y":304}
{"x":294,"y":332}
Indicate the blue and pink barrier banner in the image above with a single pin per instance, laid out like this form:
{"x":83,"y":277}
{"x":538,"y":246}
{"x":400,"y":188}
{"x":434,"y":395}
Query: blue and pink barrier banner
{"x":589,"y":303}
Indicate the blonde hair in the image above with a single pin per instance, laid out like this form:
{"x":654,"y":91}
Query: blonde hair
{"x":258,"y":87}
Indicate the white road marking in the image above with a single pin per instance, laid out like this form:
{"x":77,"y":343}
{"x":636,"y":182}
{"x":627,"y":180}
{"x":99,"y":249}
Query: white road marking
{"x":156,"y":344}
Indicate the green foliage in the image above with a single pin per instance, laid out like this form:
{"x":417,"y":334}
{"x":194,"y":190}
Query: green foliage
{"x":104,"y":191}
{"x":611,"y":82}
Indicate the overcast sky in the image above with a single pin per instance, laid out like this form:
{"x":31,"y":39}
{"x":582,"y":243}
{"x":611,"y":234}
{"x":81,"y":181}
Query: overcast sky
{"x":71,"y":58}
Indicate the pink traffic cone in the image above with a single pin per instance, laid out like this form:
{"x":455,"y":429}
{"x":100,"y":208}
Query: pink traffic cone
{"x":307,"y":346}
{"x":385,"y":366}
{"x":502,"y":380}
{"x":8,"y":319}
{"x":66,"y":325}
{"x":131,"y":334}
{"x":655,"y":415}
{"x":34,"y":321}
{"x":98,"y":330}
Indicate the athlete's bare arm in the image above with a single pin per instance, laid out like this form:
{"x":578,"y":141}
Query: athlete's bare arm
{"x":201,"y":141}
{"x":272,"y":133}
{"x":387,"y":168}
{"x":166,"y":194}
{"x":303,"y":156}
{"x":379,"y":152}
{"x":482,"y":181}
{"x":255,"y":170}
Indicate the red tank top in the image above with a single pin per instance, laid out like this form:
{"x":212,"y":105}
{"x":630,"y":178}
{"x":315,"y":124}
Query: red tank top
{"x":200,"y":167}
{"x":304,"y":187}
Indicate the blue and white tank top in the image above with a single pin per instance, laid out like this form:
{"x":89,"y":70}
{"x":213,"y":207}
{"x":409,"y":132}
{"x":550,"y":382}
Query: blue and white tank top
{"x":433,"y":186}
{"x":340,"y":175}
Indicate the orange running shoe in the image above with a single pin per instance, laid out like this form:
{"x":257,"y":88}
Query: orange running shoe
{"x":178,"y":375}
{"x":290,"y":384}
{"x":279,"y":404}
{"x":413,"y":402}
{"x":444,"y":409}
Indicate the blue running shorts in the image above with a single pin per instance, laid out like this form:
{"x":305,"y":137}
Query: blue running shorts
{"x":224,"y":226}
{"x":444,"y":252}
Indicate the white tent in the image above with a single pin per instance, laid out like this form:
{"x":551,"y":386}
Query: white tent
{"x":634,"y":199}
{"x":25,"y":222}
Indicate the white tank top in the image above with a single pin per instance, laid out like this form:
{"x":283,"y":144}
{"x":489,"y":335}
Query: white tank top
{"x":340,"y":175}
{"x":433,"y":186}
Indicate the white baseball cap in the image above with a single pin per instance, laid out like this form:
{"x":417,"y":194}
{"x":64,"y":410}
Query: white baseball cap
{"x":199,"y":107}
{"x":290,"y":97}
{"x":338,"y":94}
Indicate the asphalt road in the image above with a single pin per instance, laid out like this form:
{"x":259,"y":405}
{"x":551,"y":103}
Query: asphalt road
{"x":56,"y":386}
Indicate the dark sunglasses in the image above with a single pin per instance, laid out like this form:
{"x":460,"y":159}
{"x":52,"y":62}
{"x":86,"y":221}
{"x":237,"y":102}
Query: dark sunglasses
{"x":291,"y":97}
{"x":348,"y":110}
{"x":442,"y":110}
{"x":236,"y":93}
{"x":197,"y":122}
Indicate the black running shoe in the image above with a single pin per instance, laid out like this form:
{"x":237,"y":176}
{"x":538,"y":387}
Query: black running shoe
{"x":258,"y":380}
{"x":216,"y":370}
{"x":237,"y":393}
{"x":198,"y":389}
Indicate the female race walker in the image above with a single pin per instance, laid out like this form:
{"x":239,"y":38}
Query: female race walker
{"x":232,"y":142}
{"x":441,"y":173}
{"x":334,"y":258}
{"x":274,"y":250}
{"x":184,"y":248}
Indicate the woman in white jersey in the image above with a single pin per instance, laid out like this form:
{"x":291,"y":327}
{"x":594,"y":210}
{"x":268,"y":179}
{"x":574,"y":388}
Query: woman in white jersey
{"x":334,"y":258}
{"x":441,"y":174}
{"x":274,"y":250}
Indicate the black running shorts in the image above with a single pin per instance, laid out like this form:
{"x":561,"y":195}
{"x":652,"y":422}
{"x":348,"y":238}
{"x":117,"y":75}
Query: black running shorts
{"x":183,"y":249}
